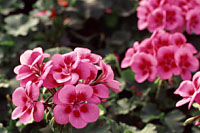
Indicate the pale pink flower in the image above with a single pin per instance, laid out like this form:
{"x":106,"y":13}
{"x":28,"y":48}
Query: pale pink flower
{"x":166,"y":62}
{"x":186,"y":62}
{"x":144,"y":66}
{"x":128,"y":59}
{"x":64,"y":68}
{"x":189,"y":90}
{"x":107,"y":77}
{"x":85,"y":54}
{"x":41,"y":13}
{"x":27,"y":106}
{"x":71,"y":106}
{"x":143,"y":11}
{"x":193,"y":21}
{"x":156,"y":20}
{"x":100,"y":92}
{"x":32,"y":67}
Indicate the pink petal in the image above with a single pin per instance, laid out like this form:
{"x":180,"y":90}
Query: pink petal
{"x":50,"y":82}
{"x":94,"y":99}
{"x":61,"y":113}
{"x":114,"y":85}
{"x":33,"y":78}
{"x":26,"y":117}
{"x":89,"y":112}
{"x":186,"y":89}
{"x":127,"y":61}
{"x":141,"y":78}
{"x":83,"y":73}
{"x":101,"y":91}
{"x":182,"y":102}
{"x":186,"y":75}
{"x":17,"y":112}
{"x":61,"y":77}
{"x":19,"y":97}
{"x":76,"y":120}
{"x":38,"y":112}
{"x":67,"y":94}
{"x":74,"y":78}
{"x":83,"y":92}
{"x":58,"y":60}
{"x":24,"y":58}
{"x":17,"y":68}
{"x":32,"y":90}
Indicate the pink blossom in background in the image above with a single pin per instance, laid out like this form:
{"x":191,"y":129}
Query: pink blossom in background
{"x":186,"y":62}
{"x":40,"y":14}
{"x":71,"y":107}
{"x":166,"y":62}
{"x":189,"y":90}
{"x":144,"y":67}
{"x":193,"y":21}
{"x":156,"y":20}
{"x":172,"y":15}
{"x":128,"y":60}
{"x":170,"y":50}
{"x":32,"y":67}
{"x":27,"y":105}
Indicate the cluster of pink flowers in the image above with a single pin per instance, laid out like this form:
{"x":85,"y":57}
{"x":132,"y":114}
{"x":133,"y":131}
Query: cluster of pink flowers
{"x":164,"y":55}
{"x":172,"y":15}
{"x":75,"y":73}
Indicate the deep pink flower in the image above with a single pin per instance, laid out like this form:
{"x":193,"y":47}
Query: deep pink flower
{"x":166,"y":62}
{"x":156,"y":20}
{"x":186,"y":62}
{"x":128,"y":59}
{"x":178,"y":39}
{"x":107,"y":77}
{"x":27,"y":106}
{"x":32,"y":67}
{"x":41,"y":13}
{"x":160,"y":38}
{"x":72,"y":107}
{"x":147,"y":46}
{"x":173,"y":17}
{"x":144,"y":66}
{"x":193,"y":21}
{"x":189,"y":90}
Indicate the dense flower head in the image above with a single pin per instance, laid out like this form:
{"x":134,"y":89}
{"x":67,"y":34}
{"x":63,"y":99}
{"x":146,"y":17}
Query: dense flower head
{"x":83,"y":78}
{"x":172,"y":15}
{"x":163,"y":54}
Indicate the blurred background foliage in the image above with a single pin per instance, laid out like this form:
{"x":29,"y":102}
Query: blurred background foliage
{"x":108,"y":28}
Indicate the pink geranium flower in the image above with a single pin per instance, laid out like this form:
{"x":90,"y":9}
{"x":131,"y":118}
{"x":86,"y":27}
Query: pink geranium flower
{"x":32,"y":67}
{"x":173,"y":17}
{"x":27,"y":106}
{"x":128,"y":59}
{"x":144,"y":67}
{"x":189,"y":90}
{"x":64,"y":68}
{"x":186,"y":62}
{"x":71,"y":106}
{"x":178,"y":39}
{"x":156,"y":20}
{"x":193,"y":21}
{"x":166,"y":62}
{"x":147,"y":46}
{"x":107,"y":77}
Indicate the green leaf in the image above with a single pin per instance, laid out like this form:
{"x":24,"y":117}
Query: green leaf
{"x":149,"y":128}
{"x":174,"y":121}
{"x":128,"y":75}
{"x":7,"y":6}
{"x":150,"y":112}
{"x":58,"y":50}
{"x":20,"y":24}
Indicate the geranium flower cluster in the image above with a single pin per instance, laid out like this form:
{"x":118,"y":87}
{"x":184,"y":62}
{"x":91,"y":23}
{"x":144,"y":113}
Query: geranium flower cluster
{"x":76,"y":74}
{"x":164,"y":55}
{"x":172,"y":15}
